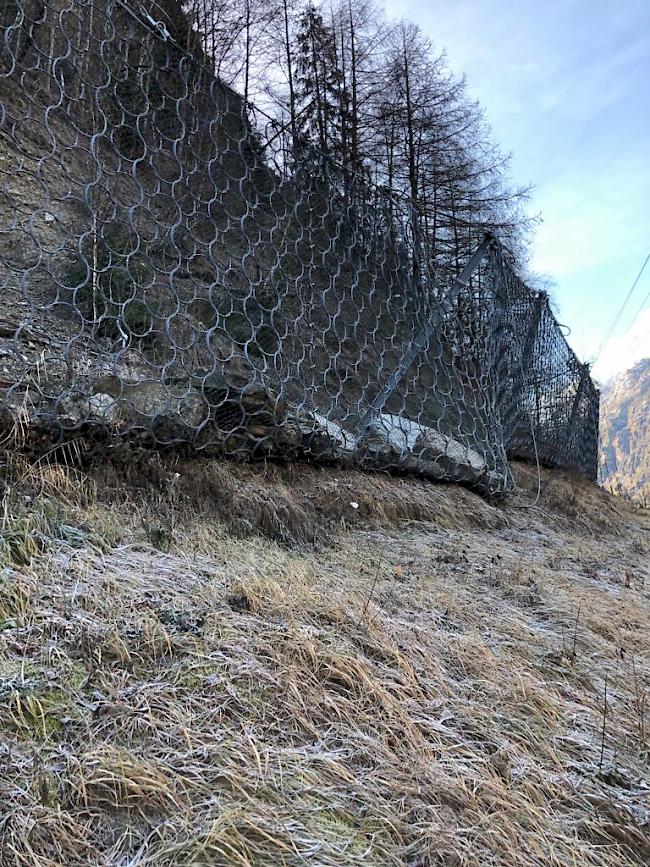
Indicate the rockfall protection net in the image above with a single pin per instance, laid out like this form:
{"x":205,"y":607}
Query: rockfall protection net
{"x":175,"y":272}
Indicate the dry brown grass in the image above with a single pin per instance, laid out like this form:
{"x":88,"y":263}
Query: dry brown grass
{"x":415,"y":681}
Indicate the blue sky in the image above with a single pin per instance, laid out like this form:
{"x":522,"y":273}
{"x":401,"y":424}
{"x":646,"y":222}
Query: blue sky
{"x":566,"y":87}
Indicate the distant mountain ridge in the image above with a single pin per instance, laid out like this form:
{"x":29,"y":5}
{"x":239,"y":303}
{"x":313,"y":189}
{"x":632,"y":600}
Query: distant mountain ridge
{"x":625,"y":432}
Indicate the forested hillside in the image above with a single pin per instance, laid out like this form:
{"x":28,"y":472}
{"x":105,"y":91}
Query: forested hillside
{"x":374,"y":94}
{"x":625,"y":432}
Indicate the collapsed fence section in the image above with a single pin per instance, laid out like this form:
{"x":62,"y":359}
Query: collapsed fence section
{"x":177,"y":274}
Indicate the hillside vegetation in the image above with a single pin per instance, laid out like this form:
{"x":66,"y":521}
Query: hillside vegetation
{"x":625,"y":432}
{"x":210,"y":663}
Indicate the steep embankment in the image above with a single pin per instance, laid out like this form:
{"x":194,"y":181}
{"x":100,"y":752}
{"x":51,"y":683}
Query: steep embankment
{"x":222,"y":664}
{"x":177,"y":275}
{"x":625,"y":432}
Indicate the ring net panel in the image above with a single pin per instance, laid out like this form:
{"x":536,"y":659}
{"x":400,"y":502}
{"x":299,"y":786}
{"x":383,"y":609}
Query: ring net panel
{"x":178,"y":272}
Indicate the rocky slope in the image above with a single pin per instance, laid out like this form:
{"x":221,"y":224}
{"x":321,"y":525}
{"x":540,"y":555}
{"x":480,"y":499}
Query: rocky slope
{"x":625,"y":432}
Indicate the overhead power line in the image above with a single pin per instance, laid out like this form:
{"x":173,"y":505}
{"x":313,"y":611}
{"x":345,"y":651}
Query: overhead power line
{"x":608,"y":336}
{"x":638,"y":341}
{"x":641,"y":306}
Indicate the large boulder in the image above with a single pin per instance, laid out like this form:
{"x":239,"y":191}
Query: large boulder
{"x":397,"y":441}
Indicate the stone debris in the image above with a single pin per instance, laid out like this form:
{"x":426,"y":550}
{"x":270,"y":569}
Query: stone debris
{"x":392,"y":438}
{"x":226,"y":410}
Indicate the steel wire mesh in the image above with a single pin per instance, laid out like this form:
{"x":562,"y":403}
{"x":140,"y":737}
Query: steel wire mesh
{"x":177,"y":271}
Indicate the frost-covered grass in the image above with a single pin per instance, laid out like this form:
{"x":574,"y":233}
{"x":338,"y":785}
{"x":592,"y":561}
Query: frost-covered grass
{"x":278,"y":677}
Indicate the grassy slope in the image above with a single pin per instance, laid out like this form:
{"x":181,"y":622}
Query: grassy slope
{"x":186,"y":678}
